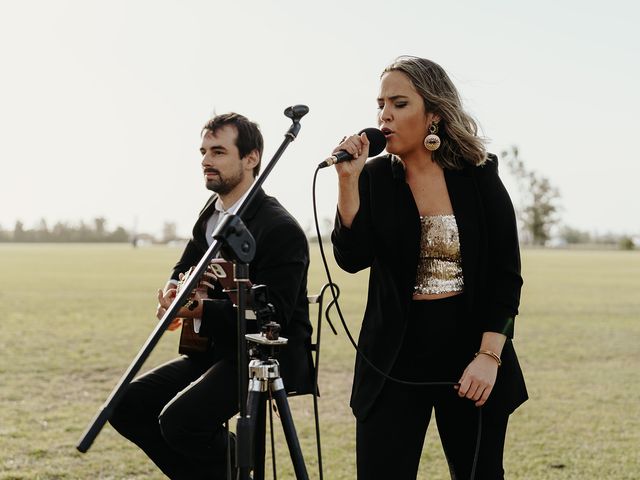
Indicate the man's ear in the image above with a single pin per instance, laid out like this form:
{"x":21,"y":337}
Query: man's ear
{"x":252,"y":159}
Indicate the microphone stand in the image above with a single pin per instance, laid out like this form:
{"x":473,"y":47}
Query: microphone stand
{"x":230,"y":234}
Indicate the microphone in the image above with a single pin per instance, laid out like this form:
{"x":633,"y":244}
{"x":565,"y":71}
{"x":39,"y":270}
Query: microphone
{"x":377,"y":142}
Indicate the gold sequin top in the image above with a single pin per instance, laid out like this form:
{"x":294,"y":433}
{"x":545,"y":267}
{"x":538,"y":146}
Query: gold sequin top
{"x":440,"y":265}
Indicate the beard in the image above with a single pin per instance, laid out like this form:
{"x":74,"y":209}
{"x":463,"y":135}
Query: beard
{"x":224,"y":185}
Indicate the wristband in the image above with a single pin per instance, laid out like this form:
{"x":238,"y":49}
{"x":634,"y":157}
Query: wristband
{"x":493,"y":355}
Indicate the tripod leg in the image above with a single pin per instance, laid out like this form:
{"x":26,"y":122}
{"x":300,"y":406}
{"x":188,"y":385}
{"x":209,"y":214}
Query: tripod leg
{"x":259,"y":438}
{"x":246,"y":443}
{"x":289,"y":428}
{"x":273,"y":444}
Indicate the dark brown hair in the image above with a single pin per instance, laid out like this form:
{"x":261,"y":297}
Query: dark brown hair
{"x":249,"y":136}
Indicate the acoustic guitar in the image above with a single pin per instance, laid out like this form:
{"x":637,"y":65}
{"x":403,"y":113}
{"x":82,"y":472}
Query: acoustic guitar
{"x":221,"y":271}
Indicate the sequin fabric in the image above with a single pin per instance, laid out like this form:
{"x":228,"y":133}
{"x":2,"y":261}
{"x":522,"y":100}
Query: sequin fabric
{"x":440,"y":266}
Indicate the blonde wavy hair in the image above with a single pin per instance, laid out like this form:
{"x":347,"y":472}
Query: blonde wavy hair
{"x":457,"y":130}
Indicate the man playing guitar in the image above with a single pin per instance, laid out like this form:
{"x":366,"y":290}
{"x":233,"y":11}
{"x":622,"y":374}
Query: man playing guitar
{"x":175,"y":412}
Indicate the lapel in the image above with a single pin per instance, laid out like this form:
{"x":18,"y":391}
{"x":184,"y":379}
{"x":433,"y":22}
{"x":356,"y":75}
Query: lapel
{"x":406,"y":226}
{"x":208,"y":208}
{"x":465,"y":201}
{"x":253,"y":207}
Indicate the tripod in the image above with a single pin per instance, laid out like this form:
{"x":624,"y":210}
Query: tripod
{"x":265,"y":383}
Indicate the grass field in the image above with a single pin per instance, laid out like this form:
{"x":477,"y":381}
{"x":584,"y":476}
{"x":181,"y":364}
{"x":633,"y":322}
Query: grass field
{"x":74,"y":316}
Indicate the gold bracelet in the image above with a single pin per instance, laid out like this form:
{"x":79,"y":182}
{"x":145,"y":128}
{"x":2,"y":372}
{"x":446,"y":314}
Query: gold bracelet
{"x":493,"y":355}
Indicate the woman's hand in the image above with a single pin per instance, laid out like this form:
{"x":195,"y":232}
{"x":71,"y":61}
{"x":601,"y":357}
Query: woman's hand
{"x":358,"y":147}
{"x":348,"y":175}
{"x":478,"y":379}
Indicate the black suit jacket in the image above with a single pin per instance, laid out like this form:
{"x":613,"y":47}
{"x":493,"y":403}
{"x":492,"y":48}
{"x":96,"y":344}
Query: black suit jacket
{"x":281,"y":263}
{"x":385,"y":236}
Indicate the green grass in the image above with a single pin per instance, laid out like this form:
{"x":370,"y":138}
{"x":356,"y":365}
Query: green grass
{"x":74,"y":316}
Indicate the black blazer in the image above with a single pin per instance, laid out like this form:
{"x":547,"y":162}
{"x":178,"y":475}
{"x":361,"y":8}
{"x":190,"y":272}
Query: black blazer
{"x":281,"y":263}
{"x":385,"y":236}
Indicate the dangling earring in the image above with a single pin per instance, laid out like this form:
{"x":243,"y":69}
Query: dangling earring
{"x":432,"y":141}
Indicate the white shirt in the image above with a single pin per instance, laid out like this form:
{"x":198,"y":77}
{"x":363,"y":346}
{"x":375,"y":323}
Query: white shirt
{"x":212,"y":223}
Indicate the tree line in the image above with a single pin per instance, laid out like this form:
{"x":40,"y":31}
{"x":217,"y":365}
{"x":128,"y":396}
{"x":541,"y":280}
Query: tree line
{"x":64,"y":232}
{"x":84,"y":232}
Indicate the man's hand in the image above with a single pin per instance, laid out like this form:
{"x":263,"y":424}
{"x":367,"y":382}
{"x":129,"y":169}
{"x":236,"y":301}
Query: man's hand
{"x":165,"y":297}
{"x":193,"y":308}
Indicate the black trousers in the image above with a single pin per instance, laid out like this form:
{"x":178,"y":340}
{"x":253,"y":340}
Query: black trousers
{"x":175,"y":413}
{"x":390,"y":439}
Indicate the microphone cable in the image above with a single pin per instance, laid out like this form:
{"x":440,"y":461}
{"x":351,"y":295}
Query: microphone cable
{"x":355,"y":345}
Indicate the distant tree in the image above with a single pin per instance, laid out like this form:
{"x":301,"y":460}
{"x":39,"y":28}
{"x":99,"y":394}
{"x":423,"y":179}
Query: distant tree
{"x":574,"y":236}
{"x":539,"y":199}
{"x":60,"y":232}
{"x":100,"y":227}
{"x":119,"y":235}
{"x":19,"y":235}
{"x":83,"y":233}
{"x":626,"y":243}
{"x":41,"y":232}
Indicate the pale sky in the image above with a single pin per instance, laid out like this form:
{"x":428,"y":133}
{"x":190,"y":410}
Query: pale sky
{"x":101,"y":103}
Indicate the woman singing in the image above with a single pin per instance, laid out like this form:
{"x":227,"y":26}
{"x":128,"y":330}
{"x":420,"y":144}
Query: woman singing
{"x":436,"y":226}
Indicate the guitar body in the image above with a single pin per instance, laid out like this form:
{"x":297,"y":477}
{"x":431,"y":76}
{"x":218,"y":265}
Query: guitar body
{"x":221,"y":271}
{"x":190,"y":341}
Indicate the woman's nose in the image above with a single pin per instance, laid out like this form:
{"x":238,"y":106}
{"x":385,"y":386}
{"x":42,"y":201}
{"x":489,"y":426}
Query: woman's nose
{"x":384,"y":115}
